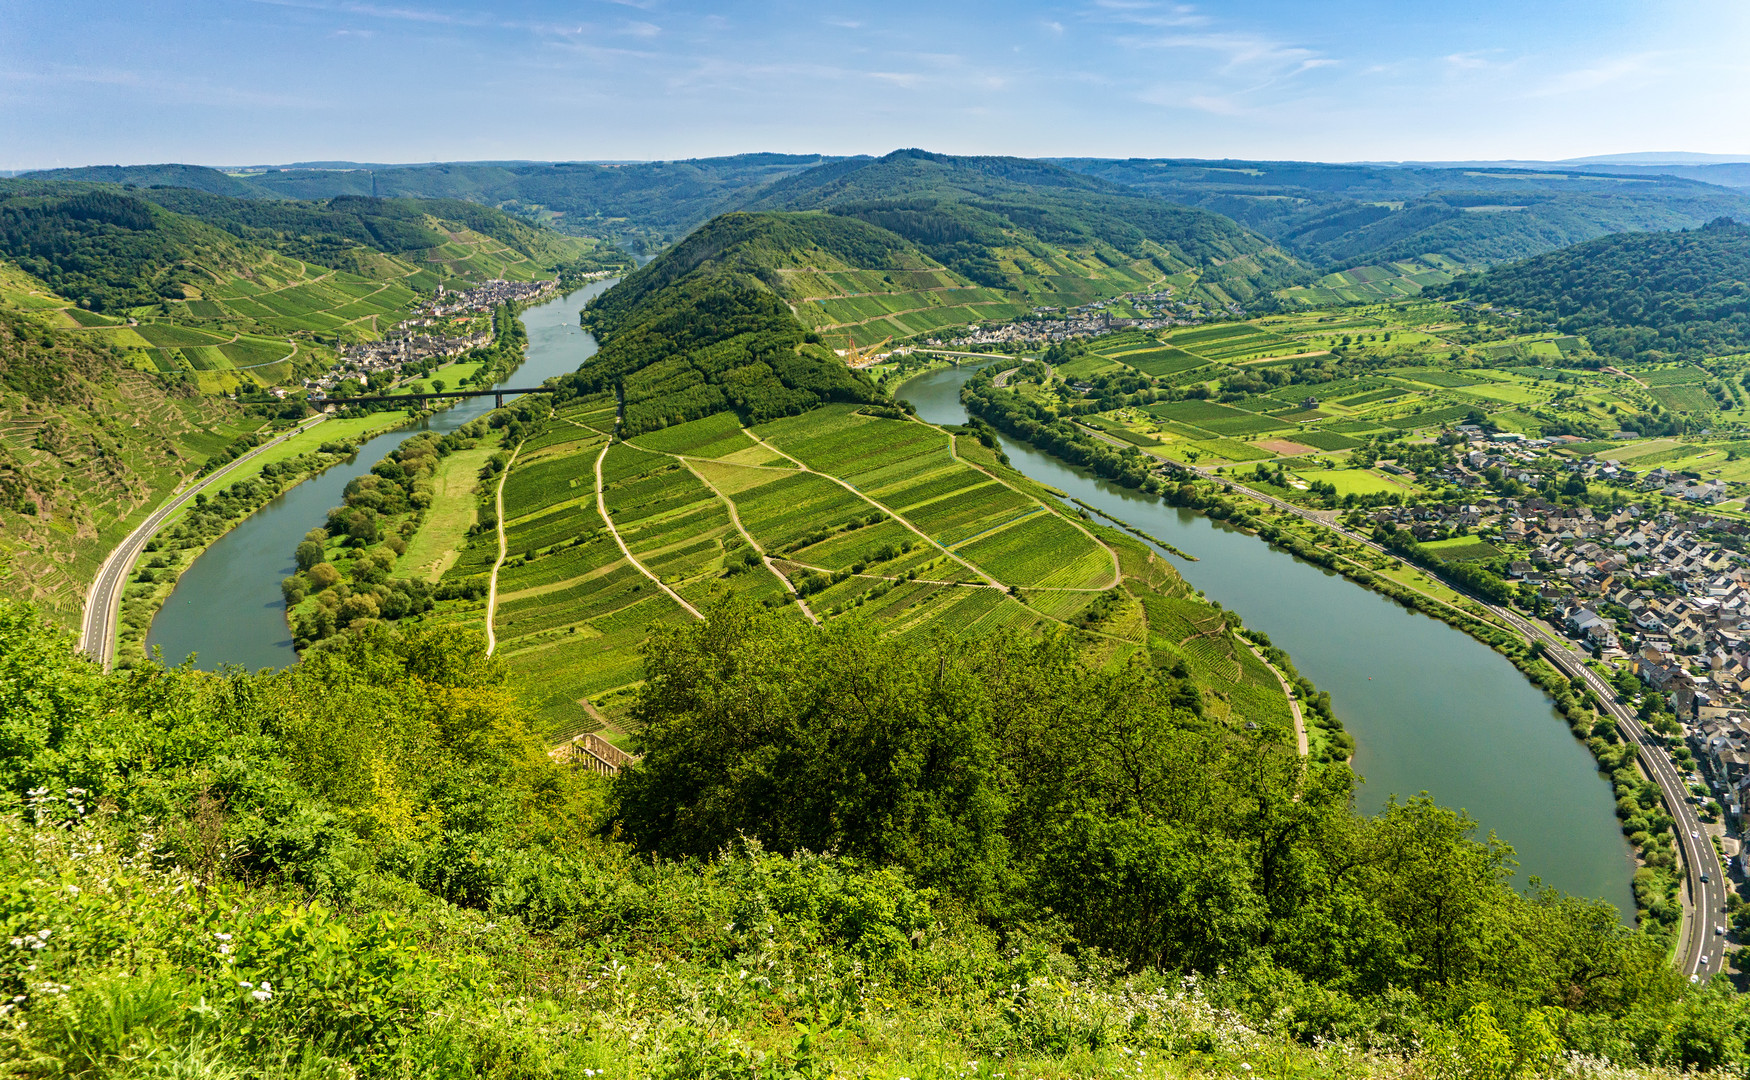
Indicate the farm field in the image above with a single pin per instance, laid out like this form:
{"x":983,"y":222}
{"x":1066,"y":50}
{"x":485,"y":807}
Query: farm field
{"x":898,"y":524}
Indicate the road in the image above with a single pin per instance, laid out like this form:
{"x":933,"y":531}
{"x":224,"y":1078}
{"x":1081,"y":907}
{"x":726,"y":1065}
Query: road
{"x":1704,"y":902}
{"x":103,"y":602}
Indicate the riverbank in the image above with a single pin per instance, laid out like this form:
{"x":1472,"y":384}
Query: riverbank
{"x":221,"y":502}
{"x":1430,"y":708}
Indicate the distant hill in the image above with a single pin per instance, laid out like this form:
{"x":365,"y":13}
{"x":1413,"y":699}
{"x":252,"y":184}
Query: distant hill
{"x":114,"y":249}
{"x":1033,"y":227}
{"x":647,"y":204}
{"x":1338,"y":216}
{"x":1636,"y":295}
{"x":232,"y":294}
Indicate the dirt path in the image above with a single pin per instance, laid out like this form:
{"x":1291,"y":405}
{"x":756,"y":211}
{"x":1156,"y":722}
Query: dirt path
{"x":601,"y":505}
{"x":734,"y":516}
{"x":492,"y":583}
{"x":1293,"y":704}
{"x":894,"y":514}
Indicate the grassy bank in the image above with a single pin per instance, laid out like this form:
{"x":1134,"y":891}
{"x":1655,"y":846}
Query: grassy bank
{"x":224,"y":501}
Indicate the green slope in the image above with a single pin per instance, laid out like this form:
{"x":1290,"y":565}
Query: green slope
{"x":234,"y":293}
{"x":1637,"y":295}
{"x":706,"y":326}
{"x":1039,"y":231}
{"x":88,"y":445}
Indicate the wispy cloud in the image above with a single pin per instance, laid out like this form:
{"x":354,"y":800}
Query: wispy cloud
{"x":1595,"y":76}
{"x":192,"y":90}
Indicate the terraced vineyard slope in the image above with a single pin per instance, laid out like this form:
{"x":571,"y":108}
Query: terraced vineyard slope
{"x":231,"y":294}
{"x":1003,"y":236}
{"x":712,"y":452}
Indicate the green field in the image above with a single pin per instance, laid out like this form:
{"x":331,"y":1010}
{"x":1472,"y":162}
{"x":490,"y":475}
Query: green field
{"x":871,"y":518}
{"x":1461,"y":549}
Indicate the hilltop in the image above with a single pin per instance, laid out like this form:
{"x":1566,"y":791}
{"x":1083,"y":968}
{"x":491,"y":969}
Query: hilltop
{"x":87,"y":443}
{"x":1636,"y":296}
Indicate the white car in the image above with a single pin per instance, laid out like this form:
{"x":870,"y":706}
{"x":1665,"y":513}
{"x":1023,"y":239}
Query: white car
{"x":1719,"y":931}
{"x":1705,"y":957}
{"x":1694,"y":835}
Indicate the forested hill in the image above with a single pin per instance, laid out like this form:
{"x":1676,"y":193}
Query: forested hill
{"x":644,"y":204}
{"x":1344,"y":215}
{"x":706,"y":326}
{"x":996,"y":220}
{"x":1636,"y":295}
{"x":113,"y":249}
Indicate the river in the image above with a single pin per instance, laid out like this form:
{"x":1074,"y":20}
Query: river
{"x":1431,"y":709}
{"x":227,"y":607}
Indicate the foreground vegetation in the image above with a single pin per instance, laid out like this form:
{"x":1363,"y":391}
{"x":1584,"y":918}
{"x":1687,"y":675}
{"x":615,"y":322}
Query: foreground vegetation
{"x":366,"y":865}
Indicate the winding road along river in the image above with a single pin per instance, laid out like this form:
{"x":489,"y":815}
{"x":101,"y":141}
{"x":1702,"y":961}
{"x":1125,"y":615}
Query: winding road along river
{"x":227,"y":608}
{"x":1431,"y":708}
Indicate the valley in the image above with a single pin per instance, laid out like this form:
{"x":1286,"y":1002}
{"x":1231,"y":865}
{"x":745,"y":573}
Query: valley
{"x":1063,"y":559}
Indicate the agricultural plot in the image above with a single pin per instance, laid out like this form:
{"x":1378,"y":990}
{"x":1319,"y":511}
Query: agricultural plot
{"x":1325,"y":439}
{"x":790,"y":506}
{"x":977,"y":509}
{"x":1229,"y":450}
{"x":1438,"y":377}
{"x":1461,"y":549}
{"x":1246,"y":426}
{"x":1119,"y":431}
{"x":1375,"y":284}
{"x":1682,"y":375}
{"x":1193,"y":411}
{"x":1684,"y":398}
{"x":1429,"y":418}
{"x":172,"y":336}
{"x":1165,"y":361}
{"x":714,"y":436}
{"x":1233,"y":341}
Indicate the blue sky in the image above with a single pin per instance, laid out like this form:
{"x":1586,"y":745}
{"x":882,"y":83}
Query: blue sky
{"x":259,"y":81}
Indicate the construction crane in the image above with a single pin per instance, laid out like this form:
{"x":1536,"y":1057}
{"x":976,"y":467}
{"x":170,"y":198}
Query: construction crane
{"x":857,"y":358}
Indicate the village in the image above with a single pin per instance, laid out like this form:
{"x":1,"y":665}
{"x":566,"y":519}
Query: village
{"x":1658,"y":588}
{"x":1158,"y":310}
{"x":447,"y":325}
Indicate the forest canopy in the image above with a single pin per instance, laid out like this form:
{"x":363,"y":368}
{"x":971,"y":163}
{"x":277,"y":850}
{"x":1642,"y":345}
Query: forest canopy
{"x":1679,"y":294}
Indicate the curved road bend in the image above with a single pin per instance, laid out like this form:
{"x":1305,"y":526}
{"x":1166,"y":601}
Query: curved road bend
{"x":103,"y":602}
{"x":1704,"y":901}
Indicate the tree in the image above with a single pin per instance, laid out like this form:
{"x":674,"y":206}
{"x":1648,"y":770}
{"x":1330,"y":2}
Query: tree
{"x":308,"y":554}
